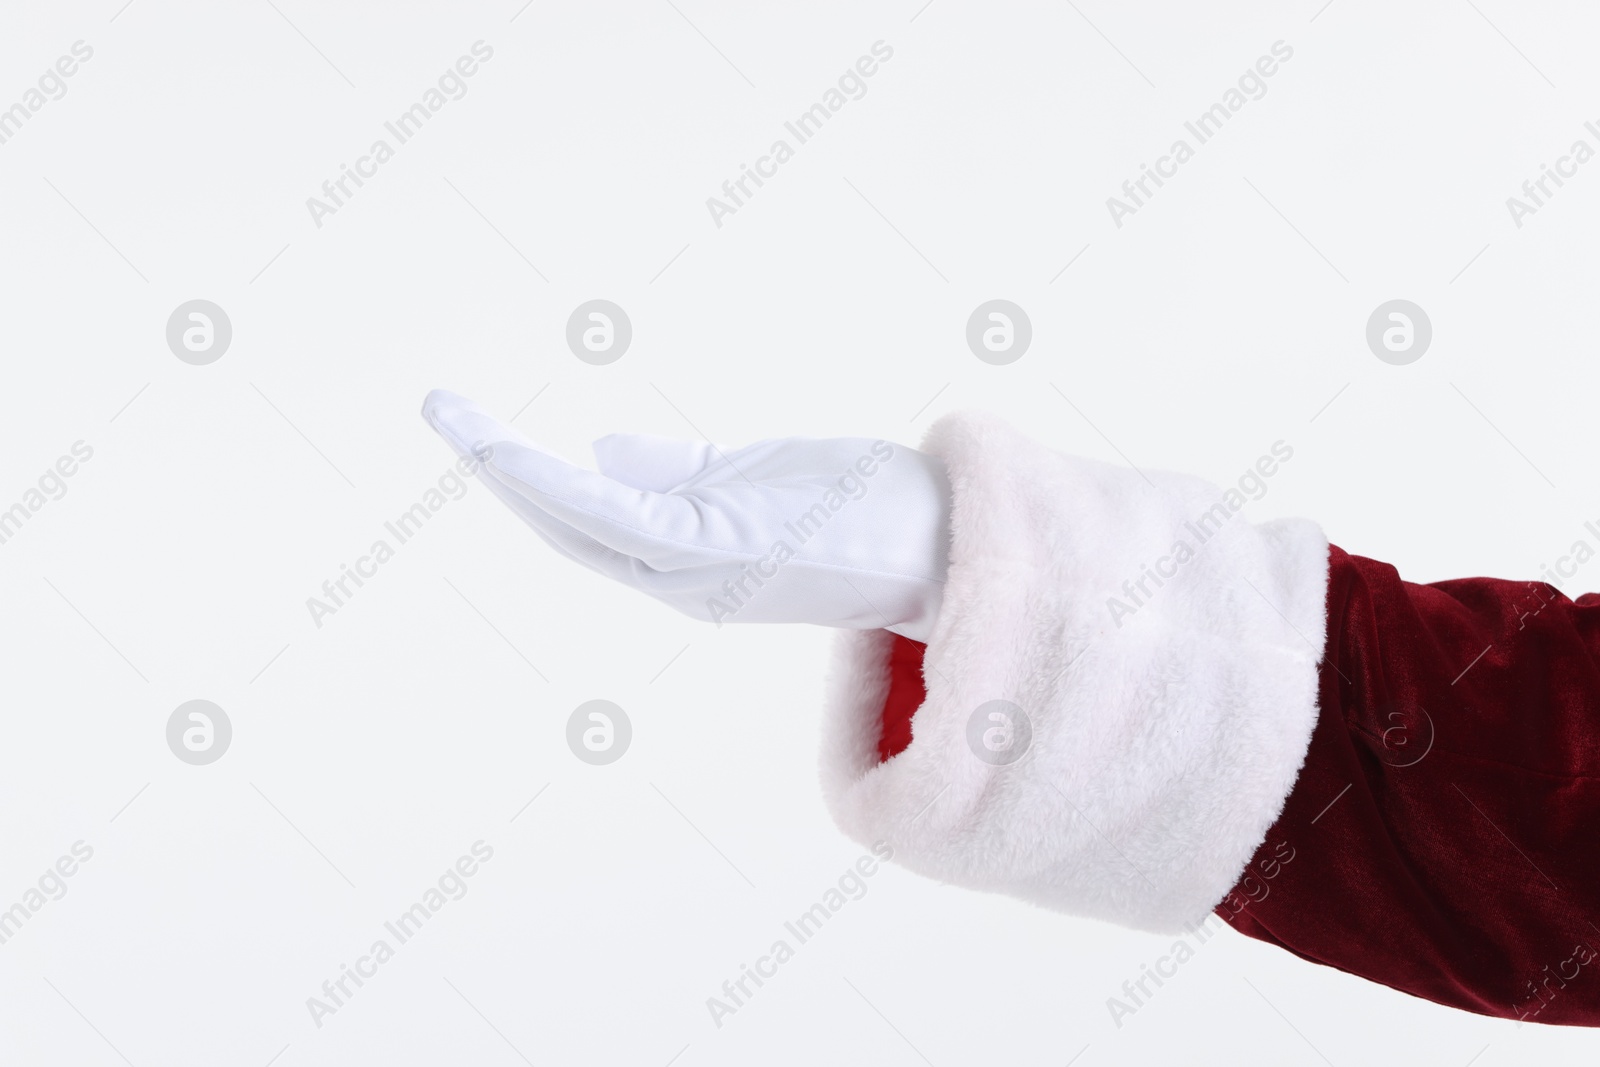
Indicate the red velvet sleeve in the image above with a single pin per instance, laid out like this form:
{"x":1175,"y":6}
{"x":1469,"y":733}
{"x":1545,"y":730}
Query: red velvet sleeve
{"x":1444,"y":828}
{"x":1443,"y":835}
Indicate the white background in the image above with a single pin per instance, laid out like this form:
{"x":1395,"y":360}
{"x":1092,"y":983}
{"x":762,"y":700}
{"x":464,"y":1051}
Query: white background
{"x":370,"y":753}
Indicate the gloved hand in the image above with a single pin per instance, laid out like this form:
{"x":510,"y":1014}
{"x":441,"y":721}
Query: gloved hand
{"x":844,"y":531}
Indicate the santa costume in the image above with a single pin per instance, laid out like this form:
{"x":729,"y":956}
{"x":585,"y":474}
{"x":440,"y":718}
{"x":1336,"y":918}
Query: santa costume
{"x":1130,"y":703}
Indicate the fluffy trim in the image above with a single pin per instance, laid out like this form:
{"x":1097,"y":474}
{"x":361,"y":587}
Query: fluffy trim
{"x":1164,"y":738}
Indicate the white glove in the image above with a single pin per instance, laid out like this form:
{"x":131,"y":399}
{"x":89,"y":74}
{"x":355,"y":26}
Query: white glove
{"x":842,"y":531}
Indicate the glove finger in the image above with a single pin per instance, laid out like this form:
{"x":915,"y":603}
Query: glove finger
{"x":573,"y":544}
{"x":465,"y":426}
{"x":585,"y":550}
{"x":473,"y":434}
{"x":663,"y":530}
{"x":646,"y":461}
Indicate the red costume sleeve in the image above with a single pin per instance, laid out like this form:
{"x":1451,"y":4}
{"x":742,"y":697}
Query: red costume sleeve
{"x":1443,"y":835}
{"x":1445,"y":825}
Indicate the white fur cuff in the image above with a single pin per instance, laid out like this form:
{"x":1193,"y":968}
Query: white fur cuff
{"x":1139,"y":756}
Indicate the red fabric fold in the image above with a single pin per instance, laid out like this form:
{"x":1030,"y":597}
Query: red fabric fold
{"x":906,"y":694}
